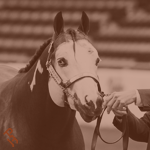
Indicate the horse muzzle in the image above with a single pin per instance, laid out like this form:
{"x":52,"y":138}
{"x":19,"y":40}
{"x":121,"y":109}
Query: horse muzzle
{"x":90,"y":110}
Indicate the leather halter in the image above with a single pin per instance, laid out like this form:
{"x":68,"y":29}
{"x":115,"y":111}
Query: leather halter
{"x":53,"y":73}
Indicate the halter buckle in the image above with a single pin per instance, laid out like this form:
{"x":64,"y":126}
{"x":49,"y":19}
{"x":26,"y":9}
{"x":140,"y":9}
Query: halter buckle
{"x":53,"y":73}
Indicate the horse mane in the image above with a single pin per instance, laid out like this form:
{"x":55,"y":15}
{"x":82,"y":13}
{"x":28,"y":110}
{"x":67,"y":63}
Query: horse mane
{"x":35,"y":57}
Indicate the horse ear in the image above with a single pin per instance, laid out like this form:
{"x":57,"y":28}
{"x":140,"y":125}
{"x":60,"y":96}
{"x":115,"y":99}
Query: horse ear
{"x":58,"y":23}
{"x":85,"y":23}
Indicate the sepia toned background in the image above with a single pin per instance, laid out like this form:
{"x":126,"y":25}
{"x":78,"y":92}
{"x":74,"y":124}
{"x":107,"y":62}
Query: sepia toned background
{"x":120,"y":30}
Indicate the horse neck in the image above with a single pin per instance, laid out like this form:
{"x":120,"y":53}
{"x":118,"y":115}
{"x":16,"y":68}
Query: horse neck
{"x":41,"y":112}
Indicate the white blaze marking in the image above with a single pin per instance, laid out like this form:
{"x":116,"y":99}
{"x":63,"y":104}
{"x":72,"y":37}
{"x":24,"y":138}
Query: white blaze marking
{"x":40,"y":69}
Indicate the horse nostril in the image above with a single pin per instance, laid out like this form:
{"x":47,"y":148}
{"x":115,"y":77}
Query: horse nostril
{"x":99,"y":101}
{"x":86,"y":98}
{"x":89,"y":103}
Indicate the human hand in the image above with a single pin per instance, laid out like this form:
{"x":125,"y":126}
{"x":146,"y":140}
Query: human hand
{"x":119,"y":100}
{"x":120,"y":113}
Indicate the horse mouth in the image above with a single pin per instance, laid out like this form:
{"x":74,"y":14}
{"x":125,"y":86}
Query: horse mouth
{"x":87,"y":111}
{"x":86,"y":114}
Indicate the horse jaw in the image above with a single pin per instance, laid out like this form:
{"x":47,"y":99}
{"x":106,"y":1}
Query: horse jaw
{"x":57,"y":94}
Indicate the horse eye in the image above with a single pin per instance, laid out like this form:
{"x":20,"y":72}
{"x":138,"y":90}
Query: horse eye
{"x":97,"y":61}
{"x":62,"y":62}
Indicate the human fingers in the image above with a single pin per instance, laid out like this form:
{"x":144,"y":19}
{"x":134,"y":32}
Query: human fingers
{"x":110,"y":105}
{"x":115,"y":105}
{"x":121,"y":106}
{"x":120,"y":113}
{"x":107,"y":99}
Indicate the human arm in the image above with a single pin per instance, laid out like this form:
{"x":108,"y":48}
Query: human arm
{"x":118,"y":100}
{"x":138,"y":128}
{"x":143,"y":100}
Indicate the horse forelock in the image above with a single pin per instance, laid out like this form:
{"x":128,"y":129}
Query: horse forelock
{"x":69,"y":34}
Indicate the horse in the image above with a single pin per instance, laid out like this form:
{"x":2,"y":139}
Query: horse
{"x":38,"y":104}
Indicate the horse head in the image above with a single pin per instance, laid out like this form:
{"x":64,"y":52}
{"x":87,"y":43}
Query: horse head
{"x":73,"y":64}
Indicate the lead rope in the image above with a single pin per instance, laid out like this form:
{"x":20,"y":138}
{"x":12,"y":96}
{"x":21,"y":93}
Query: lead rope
{"x":125,"y":133}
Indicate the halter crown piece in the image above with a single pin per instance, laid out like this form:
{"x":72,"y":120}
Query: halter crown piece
{"x":53,"y":74}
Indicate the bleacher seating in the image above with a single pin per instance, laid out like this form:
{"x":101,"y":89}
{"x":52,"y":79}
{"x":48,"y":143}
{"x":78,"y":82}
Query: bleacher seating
{"x":119,"y":28}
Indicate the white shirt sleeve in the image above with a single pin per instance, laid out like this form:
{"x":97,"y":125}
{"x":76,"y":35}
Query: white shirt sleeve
{"x":138,"y":101}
